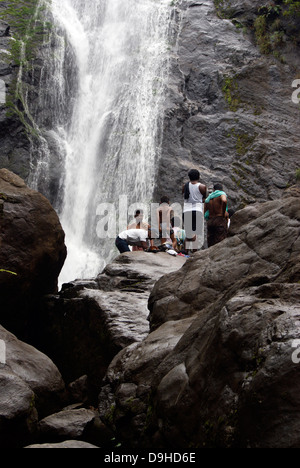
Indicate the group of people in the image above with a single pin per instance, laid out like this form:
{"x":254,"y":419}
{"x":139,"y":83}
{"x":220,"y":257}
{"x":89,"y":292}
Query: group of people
{"x":181,"y":236}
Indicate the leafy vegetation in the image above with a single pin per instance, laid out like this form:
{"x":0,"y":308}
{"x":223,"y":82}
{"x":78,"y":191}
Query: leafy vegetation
{"x":23,"y":17}
{"x":230,"y":91}
{"x":27,"y":30}
{"x":293,"y":7}
{"x":268,"y":29}
{"x":7,"y":271}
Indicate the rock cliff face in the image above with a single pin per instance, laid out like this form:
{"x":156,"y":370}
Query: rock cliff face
{"x":182,"y":354}
{"x":25,"y":118}
{"x":229,"y":110}
{"x":14,"y":123}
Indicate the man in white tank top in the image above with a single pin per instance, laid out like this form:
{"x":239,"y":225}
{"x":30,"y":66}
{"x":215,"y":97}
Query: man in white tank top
{"x":194,"y":196}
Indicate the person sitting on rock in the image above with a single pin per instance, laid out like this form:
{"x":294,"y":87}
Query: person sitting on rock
{"x":216,"y":215}
{"x":133,"y":237}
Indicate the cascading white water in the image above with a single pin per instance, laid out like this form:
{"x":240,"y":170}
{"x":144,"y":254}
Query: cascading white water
{"x":110,"y":144}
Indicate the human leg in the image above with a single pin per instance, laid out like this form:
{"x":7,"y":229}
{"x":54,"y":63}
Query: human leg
{"x":122,"y":245}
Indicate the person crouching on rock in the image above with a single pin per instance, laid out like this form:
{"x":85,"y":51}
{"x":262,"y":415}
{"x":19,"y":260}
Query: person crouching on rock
{"x":133,"y":237}
{"x":138,"y":223}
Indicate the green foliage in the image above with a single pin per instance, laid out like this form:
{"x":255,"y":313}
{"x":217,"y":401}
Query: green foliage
{"x":27,"y":29}
{"x":24,"y":17}
{"x":270,"y":24}
{"x":230,"y":91}
{"x":243,"y":141}
{"x":298,"y":174}
{"x":293,"y":8}
{"x":223,"y":8}
{"x":7,"y":271}
{"x":270,"y":10}
{"x":268,"y":29}
{"x":261,"y":34}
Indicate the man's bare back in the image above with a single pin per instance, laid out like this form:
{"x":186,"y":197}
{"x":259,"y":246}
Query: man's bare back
{"x":217,"y":207}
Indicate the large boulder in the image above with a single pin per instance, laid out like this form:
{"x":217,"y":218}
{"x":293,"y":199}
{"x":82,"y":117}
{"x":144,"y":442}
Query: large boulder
{"x":89,"y":321}
{"x":32,"y":251}
{"x":69,"y":444}
{"x":231,"y":377}
{"x":69,"y":424}
{"x":31,"y":387}
{"x":262,"y":247}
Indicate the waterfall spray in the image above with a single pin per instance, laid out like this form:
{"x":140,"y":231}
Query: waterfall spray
{"x":110,"y":143}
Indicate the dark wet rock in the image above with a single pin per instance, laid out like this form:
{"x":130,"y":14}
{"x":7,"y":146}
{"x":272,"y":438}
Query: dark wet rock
{"x":84,"y":326}
{"x":70,"y":424}
{"x":221,"y":366}
{"x":229,"y":110}
{"x":32,"y":252}
{"x":31,"y":387}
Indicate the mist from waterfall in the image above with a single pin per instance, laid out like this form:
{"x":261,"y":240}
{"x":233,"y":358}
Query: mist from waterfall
{"x":110,"y":143}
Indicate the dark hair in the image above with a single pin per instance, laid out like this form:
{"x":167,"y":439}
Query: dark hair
{"x":138,"y":212}
{"x":194,"y":174}
{"x":218,"y":186}
{"x":164,"y":199}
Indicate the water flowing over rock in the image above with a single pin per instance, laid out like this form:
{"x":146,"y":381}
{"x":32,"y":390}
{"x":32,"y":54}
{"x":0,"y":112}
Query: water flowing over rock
{"x":139,"y":92}
{"x":108,"y":104}
{"x":110,"y":78}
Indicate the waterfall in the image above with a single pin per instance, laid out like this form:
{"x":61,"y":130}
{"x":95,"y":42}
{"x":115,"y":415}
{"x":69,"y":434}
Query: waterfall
{"x":112,"y":89}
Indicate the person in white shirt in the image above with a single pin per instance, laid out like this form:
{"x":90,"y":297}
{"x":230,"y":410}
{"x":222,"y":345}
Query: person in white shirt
{"x":194,"y":196}
{"x":138,"y":223}
{"x":130,"y":237}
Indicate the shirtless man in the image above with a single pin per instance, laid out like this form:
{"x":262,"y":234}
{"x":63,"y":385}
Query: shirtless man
{"x":216,"y":214}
